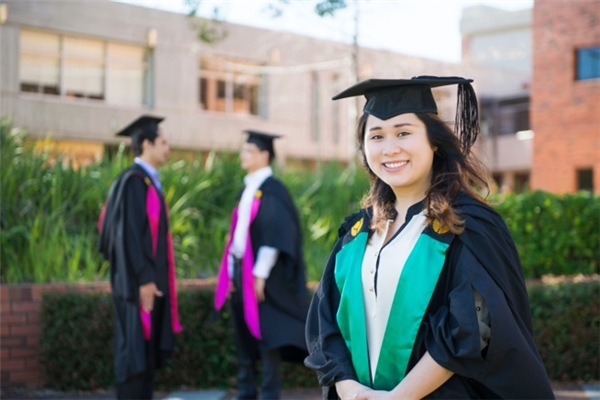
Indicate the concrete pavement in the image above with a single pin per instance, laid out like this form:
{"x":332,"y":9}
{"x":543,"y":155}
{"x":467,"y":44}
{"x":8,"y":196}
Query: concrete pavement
{"x":590,"y":391}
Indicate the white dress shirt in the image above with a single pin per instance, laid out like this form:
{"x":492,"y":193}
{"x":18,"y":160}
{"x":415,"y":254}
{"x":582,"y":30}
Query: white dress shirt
{"x":267,"y":256}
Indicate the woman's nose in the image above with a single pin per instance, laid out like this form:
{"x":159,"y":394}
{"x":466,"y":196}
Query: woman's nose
{"x":391,"y":146}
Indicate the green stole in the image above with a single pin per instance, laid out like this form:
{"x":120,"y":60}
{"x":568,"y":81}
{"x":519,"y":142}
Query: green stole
{"x":411,"y":299}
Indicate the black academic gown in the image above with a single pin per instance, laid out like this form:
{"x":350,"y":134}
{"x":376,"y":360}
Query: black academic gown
{"x":483,"y":257}
{"x":125,"y":241}
{"x":282,"y":314}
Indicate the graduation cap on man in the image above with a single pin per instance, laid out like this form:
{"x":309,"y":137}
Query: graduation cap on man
{"x":387,"y":98}
{"x":147,"y":124}
{"x":262,"y":140}
{"x":142,"y":128}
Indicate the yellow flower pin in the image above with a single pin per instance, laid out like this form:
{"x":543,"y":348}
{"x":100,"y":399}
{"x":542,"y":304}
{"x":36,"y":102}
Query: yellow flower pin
{"x":439,"y":228}
{"x":356,"y":228}
{"x":147,"y":181}
{"x":258,"y":194}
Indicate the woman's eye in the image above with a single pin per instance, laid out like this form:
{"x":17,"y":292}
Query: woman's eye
{"x":403,"y":133}
{"x":375,"y":137}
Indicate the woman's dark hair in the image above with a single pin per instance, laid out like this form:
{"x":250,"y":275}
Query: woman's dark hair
{"x":137,"y":139}
{"x":454,"y":171}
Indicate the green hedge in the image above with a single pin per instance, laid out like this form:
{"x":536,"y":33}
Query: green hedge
{"x":556,"y":235}
{"x":76,"y":340}
{"x":566,"y":323}
{"x":76,"y":351}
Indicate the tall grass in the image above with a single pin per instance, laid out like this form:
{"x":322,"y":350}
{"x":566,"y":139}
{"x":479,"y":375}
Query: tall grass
{"x":48,"y":210}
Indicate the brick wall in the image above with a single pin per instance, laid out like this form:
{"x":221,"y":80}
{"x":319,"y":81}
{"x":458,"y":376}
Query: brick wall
{"x":20,"y":329}
{"x":565,"y":113}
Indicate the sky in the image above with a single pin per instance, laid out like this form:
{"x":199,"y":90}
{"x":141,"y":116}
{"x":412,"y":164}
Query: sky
{"x":423,"y":28}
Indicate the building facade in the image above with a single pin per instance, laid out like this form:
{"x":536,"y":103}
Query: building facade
{"x":77,"y":72}
{"x":502,"y":39}
{"x":565,"y":96}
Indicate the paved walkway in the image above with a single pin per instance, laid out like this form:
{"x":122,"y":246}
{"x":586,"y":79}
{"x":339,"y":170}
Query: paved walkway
{"x":561,"y":391}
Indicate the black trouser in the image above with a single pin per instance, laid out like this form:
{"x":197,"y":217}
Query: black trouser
{"x":141,"y":386}
{"x":248,"y":352}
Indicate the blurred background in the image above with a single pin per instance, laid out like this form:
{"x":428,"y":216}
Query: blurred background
{"x":75,"y":72}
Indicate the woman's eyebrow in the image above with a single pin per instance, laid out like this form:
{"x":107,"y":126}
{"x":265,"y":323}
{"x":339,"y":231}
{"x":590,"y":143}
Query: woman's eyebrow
{"x":375,"y":128}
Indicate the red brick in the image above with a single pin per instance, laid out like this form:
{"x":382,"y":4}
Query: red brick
{"x":4,"y":292}
{"x":25,"y":330}
{"x":13,"y":318}
{"x":25,"y":306}
{"x":33,"y":340}
{"x":4,"y":353}
{"x":33,"y":318}
{"x":4,"y":307}
{"x":37,"y":291}
{"x":8,"y":342}
{"x":26,"y":292}
{"x":23,"y":353}
{"x":27,"y":377}
{"x":5,"y":330}
{"x":12,"y":365}
{"x":31,"y":363}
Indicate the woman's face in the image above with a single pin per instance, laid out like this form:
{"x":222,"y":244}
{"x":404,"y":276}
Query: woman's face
{"x":399,"y":153}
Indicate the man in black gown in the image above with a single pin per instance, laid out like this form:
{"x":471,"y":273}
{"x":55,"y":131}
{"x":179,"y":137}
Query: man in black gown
{"x":263,"y":271}
{"x":135,"y":238}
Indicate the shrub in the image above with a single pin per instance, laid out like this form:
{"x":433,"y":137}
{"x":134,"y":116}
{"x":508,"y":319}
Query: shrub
{"x":554,"y":234}
{"x":76,"y":340}
{"x":566,"y":324}
{"x":76,"y":350}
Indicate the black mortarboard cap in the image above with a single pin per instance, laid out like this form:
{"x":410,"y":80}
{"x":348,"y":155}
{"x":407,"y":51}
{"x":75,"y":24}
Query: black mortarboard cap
{"x":263,"y":141}
{"x":387,"y":98}
{"x":145,"y":122}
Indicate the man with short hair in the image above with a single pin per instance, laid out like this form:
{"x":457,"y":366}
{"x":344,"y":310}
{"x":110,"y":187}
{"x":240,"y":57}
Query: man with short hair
{"x":135,"y":238}
{"x":263,"y":272}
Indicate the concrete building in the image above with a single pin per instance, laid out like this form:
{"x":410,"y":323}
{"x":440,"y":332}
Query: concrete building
{"x":502,"y":39}
{"x":565,"y":96}
{"x":78,"y":71}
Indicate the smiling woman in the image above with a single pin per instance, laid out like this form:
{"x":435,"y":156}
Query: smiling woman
{"x":398,"y":151}
{"x":423,"y":295}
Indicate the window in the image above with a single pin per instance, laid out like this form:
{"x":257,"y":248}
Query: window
{"x":504,"y":116}
{"x":127,"y":77}
{"x":588,"y":63}
{"x":83,"y":68}
{"x":585,"y":179}
{"x":39,"y":67}
{"x":230,"y":86}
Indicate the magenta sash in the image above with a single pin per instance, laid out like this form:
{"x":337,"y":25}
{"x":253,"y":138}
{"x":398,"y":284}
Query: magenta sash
{"x":249,"y":296}
{"x":153,"y":205}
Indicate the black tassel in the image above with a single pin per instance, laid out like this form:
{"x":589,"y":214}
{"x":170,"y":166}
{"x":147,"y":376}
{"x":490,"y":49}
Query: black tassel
{"x":467,"y":117}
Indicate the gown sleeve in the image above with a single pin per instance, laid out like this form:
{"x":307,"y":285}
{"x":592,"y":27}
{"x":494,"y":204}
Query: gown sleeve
{"x":137,"y":235}
{"x":453,"y":336}
{"x":508,"y":364}
{"x":328,"y":353}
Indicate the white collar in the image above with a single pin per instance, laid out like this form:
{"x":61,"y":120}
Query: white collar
{"x":258,"y":176}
